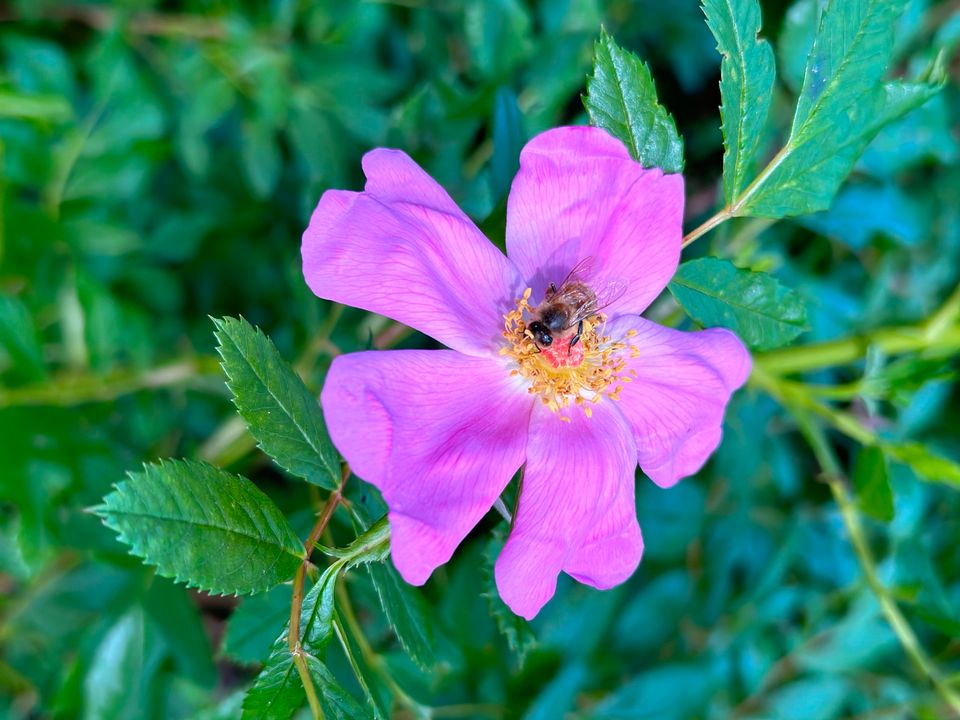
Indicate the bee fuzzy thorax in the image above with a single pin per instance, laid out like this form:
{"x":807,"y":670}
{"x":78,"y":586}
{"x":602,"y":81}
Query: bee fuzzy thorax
{"x":564,"y":374}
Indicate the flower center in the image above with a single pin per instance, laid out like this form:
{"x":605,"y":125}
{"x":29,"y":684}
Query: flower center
{"x":565,"y":371}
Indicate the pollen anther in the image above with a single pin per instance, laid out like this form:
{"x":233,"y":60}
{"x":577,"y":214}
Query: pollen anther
{"x":562,"y":377}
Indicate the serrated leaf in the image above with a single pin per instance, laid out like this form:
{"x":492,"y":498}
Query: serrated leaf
{"x":252,"y":628}
{"x":871,"y":482}
{"x":281,"y":413}
{"x":373,"y":545}
{"x":407,"y":612}
{"x":200,"y":525}
{"x":515,"y":629}
{"x":622,"y":99}
{"x":762,"y":312}
{"x":843,"y":104}
{"x":337,"y":703}
{"x":278,"y":690}
{"x":747,"y":73}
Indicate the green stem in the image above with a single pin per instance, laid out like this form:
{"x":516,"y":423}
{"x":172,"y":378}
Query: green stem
{"x":74,"y":389}
{"x":712,"y":222}
{"x":851,"y":520}
{"x":892,"y":341}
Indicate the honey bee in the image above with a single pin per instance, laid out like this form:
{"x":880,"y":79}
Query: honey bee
{"x":562,"y":312}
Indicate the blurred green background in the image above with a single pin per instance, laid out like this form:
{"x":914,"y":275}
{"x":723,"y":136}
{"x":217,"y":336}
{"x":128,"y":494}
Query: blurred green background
{"x":159,"y":163}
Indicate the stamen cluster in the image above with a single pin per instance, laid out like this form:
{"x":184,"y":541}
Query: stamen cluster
{"x":583,"y":375}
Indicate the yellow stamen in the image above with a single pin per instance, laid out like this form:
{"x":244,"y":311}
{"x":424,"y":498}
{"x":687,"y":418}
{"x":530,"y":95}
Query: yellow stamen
{"x":599,"y":374}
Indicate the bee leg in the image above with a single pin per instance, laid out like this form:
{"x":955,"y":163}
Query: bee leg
{"x":576,"y":338}
{"x":552,"y":289}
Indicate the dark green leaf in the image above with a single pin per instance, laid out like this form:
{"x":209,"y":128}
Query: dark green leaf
{"x":261,"y":158}
{"x":842,"y":106}
{"x":407,"y":612}
{"x":746,"y":86}
{"x":282,"y":414}
{"x":507,"y":142}
{"x":203,"y":526}
{"x":621,"y":99}
{"x":515,"y":629}
{"x":872,"y":484}
{"x":716,"y":293}
{"x":337,"y":703}
{"x":254,"y":626}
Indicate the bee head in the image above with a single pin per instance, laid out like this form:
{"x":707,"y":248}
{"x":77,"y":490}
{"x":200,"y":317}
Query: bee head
{"x":541,"y":333}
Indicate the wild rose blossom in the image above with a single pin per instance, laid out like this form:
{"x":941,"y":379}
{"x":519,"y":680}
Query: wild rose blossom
{"x":441,"y":432}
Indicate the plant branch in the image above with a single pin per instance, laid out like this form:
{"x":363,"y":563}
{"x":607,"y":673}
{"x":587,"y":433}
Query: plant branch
{"x":296,"y":604}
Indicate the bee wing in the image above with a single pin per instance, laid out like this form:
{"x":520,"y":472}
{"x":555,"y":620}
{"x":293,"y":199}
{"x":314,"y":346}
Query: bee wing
{"x":609,"y":293}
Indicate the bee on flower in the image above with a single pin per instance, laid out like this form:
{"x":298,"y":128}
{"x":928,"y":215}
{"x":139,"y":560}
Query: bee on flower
{"x":549,"y":365}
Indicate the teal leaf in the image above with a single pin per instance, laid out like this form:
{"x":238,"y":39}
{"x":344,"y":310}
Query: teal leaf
{"x":622,"y":99}
{"x":843,"y":104}
{"x":871,"y":482}
{"x":507,"y":142}
{"x":925,"y":462}
{"x":407,"y":612}
{"x":260,"y":157}
{"x":747,"y":73}
{"x":200,"y":525}
{"x":762,"y":312}
{"x":282,"y":414}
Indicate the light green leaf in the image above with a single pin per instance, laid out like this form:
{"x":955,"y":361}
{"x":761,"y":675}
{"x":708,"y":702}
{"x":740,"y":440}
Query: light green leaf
{"x":843,"y":104}
{"x":260,"y":156}
{"x":200,"y":525}
{"x":762,"y":312}
{"x":42,"y":107}
{"x":924,"y":462}
{"x":407,"y":612}
{"x":871,"y":482}
{"x":373,"y":545}
{"x":282,"y":414}
{"x":114,"y":684}
{"x":622,"y":99}
{"x":747,"y":74}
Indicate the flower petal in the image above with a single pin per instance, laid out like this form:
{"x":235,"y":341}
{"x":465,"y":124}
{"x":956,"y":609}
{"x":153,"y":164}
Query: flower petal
{"x":677,"y":399}
{"x":402,"y":248}
{"x":577,"y":475}
{"x":579,"y":195}
{"x":439,"y":433}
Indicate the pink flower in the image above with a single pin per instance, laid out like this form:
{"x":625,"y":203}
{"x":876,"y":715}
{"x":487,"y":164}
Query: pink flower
{"x":441,"y":432}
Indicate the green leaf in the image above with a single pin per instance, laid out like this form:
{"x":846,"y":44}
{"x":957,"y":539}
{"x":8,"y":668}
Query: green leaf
{"x":507,"y":142}
{"x":407,"y":612}
{"x":114,"y":685}
{"x":762,"y":312}
{"x":871,"y":482}
{"x":843,"y":104}
{"x":200,"y":525}
{"x":278,"y":691}
{"x":747,"y":74}
{"x":252,"y":628}
{"x":336,"y":702}
{"x":42,"y":107}
{"x":924,"y":462}
{"x":515,"y":629}
{"x":373,"y":545}
{"x":282,"y":414}
{"x":622,"y":99}
{"x":18,"y":338}
{"x":260,"y":155}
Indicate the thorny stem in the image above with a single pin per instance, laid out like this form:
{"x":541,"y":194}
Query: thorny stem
{"x":296,"y":604}
{"x":851,"y":520}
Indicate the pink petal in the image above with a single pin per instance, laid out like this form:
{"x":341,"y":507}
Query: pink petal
{"x":402,"y":248}
{"x":579,"y":195}
{"x":573,"y":508}
{"x":439,"y":433}
{"x":677,"y":400}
